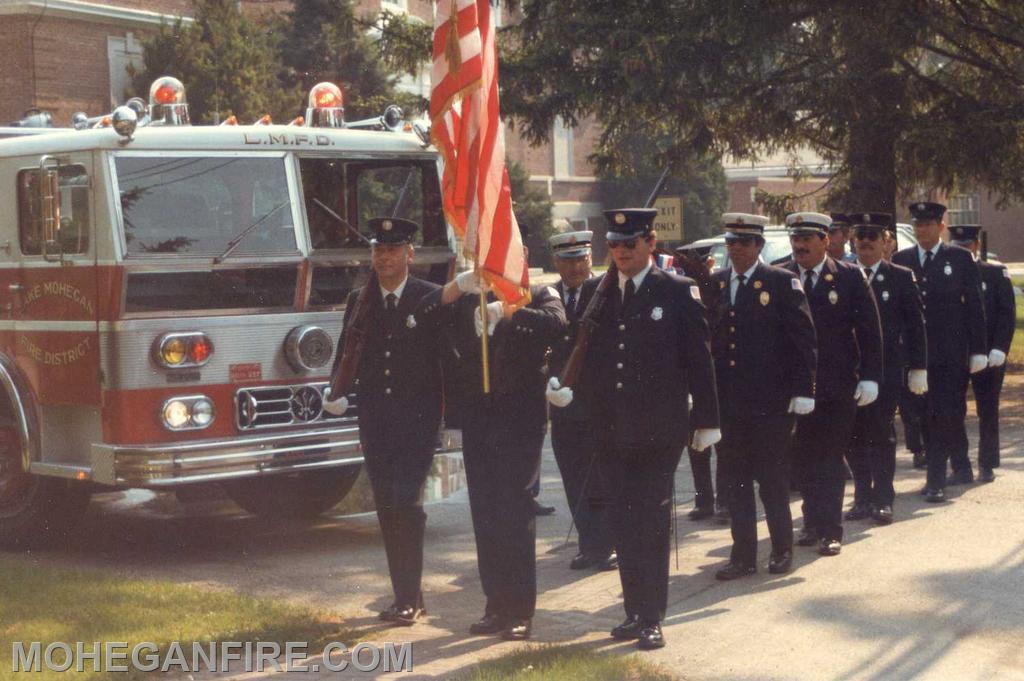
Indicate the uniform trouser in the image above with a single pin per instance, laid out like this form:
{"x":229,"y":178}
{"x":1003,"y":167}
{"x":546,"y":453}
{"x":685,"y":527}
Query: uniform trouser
{"x":987,"y":385}
{"x":872,"y":452}
{"x":754,"y":448}
{"x":912,"y":413}
{"x":398,"y":473}
{"x":700,"y":466}
{"x":947,"y":433}
{"x":502,"y":457}
{"x":821,"y":440}
{"x":585,"y":489}
{"x":642,"y":482}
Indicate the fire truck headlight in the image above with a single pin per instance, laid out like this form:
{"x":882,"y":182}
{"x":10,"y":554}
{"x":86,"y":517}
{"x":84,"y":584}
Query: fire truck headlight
{"x":174,"y":351}
{"x":193,"y":412}
{"x":182,"y":349}
{"x":175,"y":414}
{"x":202,"y":413}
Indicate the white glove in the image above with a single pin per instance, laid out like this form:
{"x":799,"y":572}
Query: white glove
{"x":801,"y":406}
{"x":917,"y":381}
{"x":494,"y":312}
{"x":556,"y":394}
{"x":704,"y":438}
{"x":866,"y":393}
{"x":996,"y":358}
{"x":468,"y":282}
{"x":977,"y":363}
{"x":336,"y":407}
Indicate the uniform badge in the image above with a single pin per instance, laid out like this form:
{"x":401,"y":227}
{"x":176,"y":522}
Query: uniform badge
{"x":387,"y":225}
{"x":410,"y":322}
{"x":765,"y":298}
{"x":721,"y":284}
{"x":620,"y":218}
{"x":657,"y":312}
{"x":885,"y":295}
{"x":795,"y":284}
{"x":947,"y":270}
{"x":758,"y":284}
{"x":833,"y":297}
{"x":828,"y":277}
{"x":984,"y":286}
{"x":880,"y":277}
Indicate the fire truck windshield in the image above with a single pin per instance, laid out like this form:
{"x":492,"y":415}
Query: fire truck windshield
{"x":205,"y":205}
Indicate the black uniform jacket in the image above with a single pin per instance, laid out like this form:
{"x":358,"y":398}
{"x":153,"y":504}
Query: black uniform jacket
{"x":642,"y":365}
{"x":904,"y":343}
{"x":560,"y":352}
{"x":849,"y":333}
{"x":1000,"y":307}
{"x":764,"y":346}
{"x":954,"y":311}
{"x":399,"y":375}
{"x":517,"y":352}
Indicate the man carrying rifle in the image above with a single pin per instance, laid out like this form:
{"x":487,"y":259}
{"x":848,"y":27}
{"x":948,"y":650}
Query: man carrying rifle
{"x":396,"y":369}
{"x":648,"y":349}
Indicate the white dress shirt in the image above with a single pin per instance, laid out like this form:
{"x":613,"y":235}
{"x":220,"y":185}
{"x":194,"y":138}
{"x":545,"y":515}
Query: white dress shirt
{"x":637,"y":279}
{"x":734,"y":282}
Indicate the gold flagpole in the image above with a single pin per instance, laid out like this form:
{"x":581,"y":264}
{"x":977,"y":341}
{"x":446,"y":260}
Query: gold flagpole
{"x":483,"y":341}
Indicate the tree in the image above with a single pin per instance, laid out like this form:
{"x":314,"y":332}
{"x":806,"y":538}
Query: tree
{"x":896,"y":95}
{"x":228,"y":63}
{"x":532,"y":207}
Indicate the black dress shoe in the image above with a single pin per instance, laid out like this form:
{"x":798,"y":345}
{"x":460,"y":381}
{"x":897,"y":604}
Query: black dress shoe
{"x":807,"y":537}
{"x":961,"y":477}
{"x":650,"y":637}
{"x":406,"y":616}
{"x":829,"y":547}
{"x":517,"y":630}
{"x":781,"y":563}
{"x":934,"y":496}
{"x":701,"y":512}
{"x":541,"y":509}
{"x":489,"y":624}
{"x":883,"y":515}
{"x":733,"y":571}
{"x":629,"y":630}
{"x":609,"y":562}
{"x":986,"y":474}
{"x":581,"y":561}
{"x":858,"y":512}
{"x":920,"y":460}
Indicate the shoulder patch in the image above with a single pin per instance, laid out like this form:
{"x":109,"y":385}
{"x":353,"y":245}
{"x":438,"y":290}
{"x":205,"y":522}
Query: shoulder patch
{"x":795,"y":283}
{"x":695,"y":293}
{"x":1006,"y":273}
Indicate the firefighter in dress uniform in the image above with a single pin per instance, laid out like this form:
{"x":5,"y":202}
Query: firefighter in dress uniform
{"x":872,"y":453}
{"x":649,"y":351}
{"x":502,"y":436}
{"x":763,"y":343}
{"x":954,"y":315}
{"x":398,"y":391}
{"x":572,"y":437}
{"x":849,"y":372}
{"x":1001,"y":320}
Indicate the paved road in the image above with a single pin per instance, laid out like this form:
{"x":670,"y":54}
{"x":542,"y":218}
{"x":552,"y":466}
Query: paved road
{"x":937,"y":595}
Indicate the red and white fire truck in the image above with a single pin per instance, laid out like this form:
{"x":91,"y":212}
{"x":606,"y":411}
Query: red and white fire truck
{"x":172,"y":295}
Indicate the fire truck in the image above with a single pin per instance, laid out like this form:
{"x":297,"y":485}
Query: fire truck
{"x":172,"y":296}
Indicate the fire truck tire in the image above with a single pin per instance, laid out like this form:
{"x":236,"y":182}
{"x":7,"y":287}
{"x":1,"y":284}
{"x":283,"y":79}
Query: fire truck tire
{"x":293,"y":495}
{"x":38,"y":510}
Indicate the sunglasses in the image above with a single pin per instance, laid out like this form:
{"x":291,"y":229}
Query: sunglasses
{"x":742,"y":240}
{"x":629,"y":244}
{"x":868,"y":235}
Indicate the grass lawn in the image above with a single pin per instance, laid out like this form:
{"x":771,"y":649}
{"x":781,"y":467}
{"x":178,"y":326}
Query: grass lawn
{"x":48,"y":604}
{"x":565,"y":663}
{"x":1016,"y":356}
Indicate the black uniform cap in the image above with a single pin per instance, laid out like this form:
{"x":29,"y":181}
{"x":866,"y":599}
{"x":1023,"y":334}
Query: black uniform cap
{"x":392,"y":230}
{"x":926,"y":210}
{"x":629,"y":223}
{"x":878,"y":221}
{"x":839,"y":220}
{"x":965,"y":232}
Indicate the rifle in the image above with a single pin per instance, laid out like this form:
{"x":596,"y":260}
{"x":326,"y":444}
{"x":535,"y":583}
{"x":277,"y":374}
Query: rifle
{"x":353,"y":339}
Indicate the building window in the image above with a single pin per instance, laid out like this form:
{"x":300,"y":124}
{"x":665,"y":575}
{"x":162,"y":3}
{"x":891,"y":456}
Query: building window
{"x":122,"y":52}
{"x":562,"y":147}
{"x":964,"y":209}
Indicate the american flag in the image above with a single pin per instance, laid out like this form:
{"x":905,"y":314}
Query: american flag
{"x":466,"y":128}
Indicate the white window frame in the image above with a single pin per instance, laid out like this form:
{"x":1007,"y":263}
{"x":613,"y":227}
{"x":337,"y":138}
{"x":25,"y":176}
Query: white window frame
{"x":562,"y":149}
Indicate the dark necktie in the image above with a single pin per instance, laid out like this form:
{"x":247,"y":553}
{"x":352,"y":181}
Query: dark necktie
{"x":570,"y":303}
{"x":867,"y":274}
{"x":808,"y":280}
{"x":927,"y":259}
{"x":742,"y":279}
{"x":390,"y":309}
{"x":627,"y":295}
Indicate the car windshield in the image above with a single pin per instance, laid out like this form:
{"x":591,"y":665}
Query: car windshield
{"x":205,"y":205}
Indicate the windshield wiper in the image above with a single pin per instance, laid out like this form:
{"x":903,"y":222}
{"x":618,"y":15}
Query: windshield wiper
{"x":343,"y":221}
{"x":237,"y":239}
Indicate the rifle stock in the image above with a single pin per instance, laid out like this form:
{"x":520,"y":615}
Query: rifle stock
{"x":354,"y":340}
{"x":588,"y":322}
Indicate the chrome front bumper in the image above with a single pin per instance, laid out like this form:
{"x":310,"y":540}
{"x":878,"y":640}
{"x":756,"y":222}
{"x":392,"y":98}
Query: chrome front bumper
{"x":210,"y":460}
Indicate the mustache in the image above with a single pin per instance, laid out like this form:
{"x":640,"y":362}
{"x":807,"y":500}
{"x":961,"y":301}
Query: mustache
{"x":801,"y":251}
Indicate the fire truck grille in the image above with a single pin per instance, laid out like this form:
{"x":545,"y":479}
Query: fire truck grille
{"x":276,"y":406}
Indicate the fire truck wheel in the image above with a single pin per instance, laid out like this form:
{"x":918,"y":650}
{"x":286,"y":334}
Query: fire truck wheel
{"x":293,"y":495}
{"x":35,"y":508}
